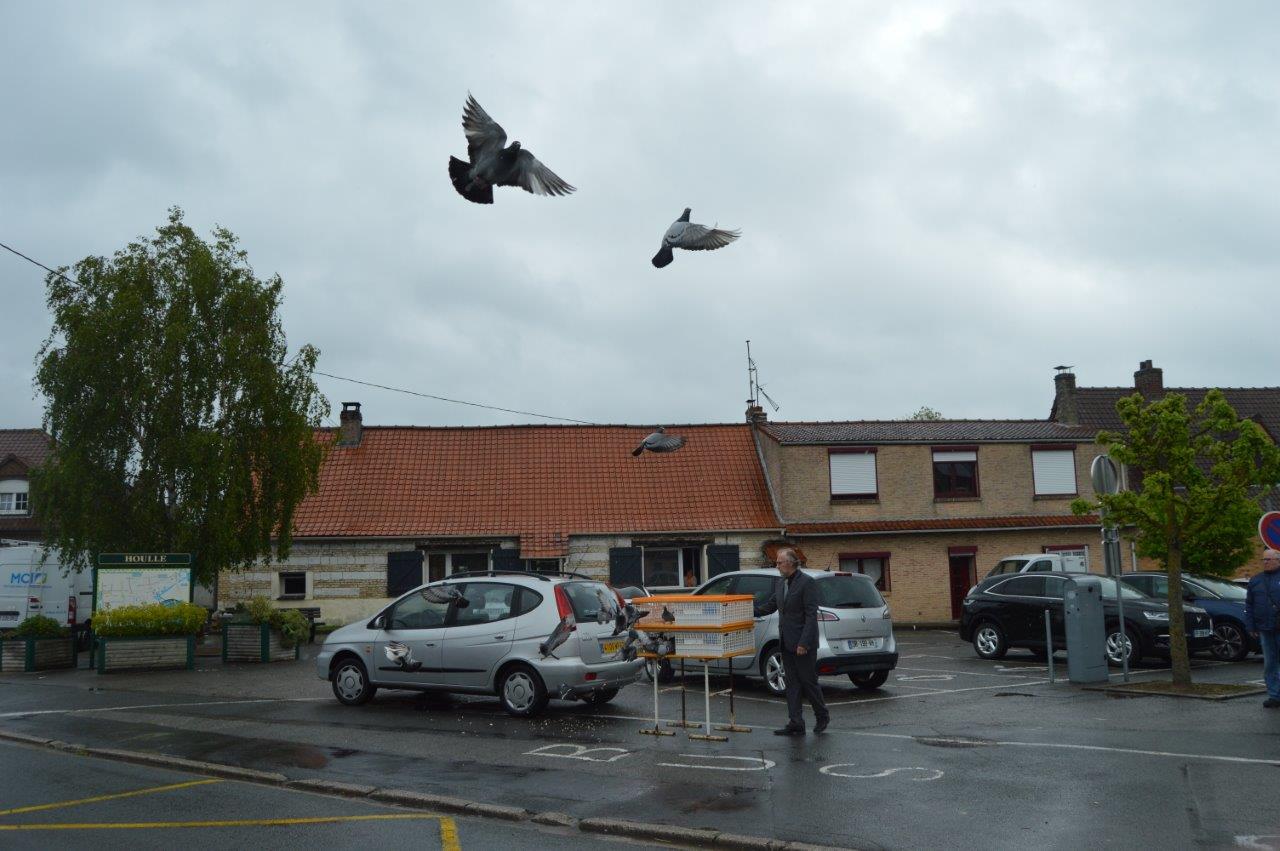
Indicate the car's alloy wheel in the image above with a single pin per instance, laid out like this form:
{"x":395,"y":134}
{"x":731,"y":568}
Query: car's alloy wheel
{"x":1229,"y":642}
{"x":988,"y":641}
{"x":775,"y":678}
{"x":351,"y":684}
{"x":1119,"y":645}
{"x":869,"y":679}
{"x":522,"y":691}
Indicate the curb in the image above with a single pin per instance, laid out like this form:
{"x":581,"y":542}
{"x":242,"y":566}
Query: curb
{"x":702,"y":837}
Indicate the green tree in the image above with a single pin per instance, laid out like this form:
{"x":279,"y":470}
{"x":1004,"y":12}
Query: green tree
{"x":926,"y":413}
{"x":1202,"y":473}
{"x":177,"y":423}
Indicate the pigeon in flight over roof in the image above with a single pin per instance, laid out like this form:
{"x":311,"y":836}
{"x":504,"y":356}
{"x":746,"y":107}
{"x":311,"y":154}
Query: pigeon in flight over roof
{"x":495,"y":163}
{"x":659,"y":441}
{"x":691,"y":237}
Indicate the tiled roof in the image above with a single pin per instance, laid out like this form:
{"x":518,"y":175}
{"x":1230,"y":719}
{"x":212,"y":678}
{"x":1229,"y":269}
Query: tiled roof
{"x":925,"y":431}
{"x":540,"y":483}
{"x":30,"y":445}
{"x":934,"y":524}
{"x":1097,"y":405}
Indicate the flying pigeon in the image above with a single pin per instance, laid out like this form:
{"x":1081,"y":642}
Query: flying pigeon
{"x":494,"y":163}
{"x":401,"y":655}
{"x":659,"y":442}
{"x":558,"y":636}
{"x":691,"y":237}
{"x":638,"y":640}
{"x":442,"y":594}
{"x":628,"y":617}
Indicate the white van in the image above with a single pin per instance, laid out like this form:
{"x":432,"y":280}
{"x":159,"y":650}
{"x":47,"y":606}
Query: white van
{"x":1064,"y":562}
{"x":31,"y":585}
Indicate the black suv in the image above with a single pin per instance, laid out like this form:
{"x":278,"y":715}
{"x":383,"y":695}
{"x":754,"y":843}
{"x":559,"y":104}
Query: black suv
{"x":1008,"y":611}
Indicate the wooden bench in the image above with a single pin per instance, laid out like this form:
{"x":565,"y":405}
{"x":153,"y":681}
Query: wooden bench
{"x":313,"y":615}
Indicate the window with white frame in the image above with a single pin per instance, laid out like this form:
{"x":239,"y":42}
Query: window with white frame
{"x":671,"y":566}
{"x":1053,"y":470}
{"x":14,"y":497}
{"x":853,"y":473}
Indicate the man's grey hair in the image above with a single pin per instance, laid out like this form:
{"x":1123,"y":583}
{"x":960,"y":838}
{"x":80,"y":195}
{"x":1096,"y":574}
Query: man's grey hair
{"x":789,"y":554}
{"x":1270,"y":555}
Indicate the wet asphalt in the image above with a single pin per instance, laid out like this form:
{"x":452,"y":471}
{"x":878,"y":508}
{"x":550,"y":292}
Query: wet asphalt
{"x":952,"y":749}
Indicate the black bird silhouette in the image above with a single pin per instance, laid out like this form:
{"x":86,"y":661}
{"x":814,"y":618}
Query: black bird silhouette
{"x":659,"y":441}
{"x":558,"y":636}
{"x":667,"y":615}
{"x":494,"y":163}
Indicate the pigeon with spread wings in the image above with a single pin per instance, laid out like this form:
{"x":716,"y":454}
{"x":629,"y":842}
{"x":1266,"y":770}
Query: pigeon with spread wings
{"x":659,"y":441}
{"x":492,"y":162}
{"x":691,"y":237}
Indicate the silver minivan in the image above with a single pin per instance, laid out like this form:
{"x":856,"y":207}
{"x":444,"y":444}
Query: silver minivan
{"x":855,"y":629}
{"x":487,"y":633}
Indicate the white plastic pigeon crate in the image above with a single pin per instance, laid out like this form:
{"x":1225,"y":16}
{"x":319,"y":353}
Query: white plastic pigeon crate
{"x":705,"y":612}
{"x":697,"y":645}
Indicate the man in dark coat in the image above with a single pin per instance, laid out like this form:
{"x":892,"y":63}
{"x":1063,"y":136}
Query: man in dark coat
{"x":1262,"y":618}
{"x":795,"y":599}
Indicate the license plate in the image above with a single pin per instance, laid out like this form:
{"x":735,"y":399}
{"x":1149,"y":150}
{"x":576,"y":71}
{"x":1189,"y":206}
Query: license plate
{"x":610,"y":647}
{"x":861,"y":643}
{"x":1200,"y":633}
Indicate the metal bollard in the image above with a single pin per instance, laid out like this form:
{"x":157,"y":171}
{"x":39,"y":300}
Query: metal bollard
{"x":1048,"y":644}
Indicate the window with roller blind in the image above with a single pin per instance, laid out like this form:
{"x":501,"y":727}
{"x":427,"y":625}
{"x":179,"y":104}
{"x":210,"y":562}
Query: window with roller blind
{"x":853,"y":473}
{"x":955,"y":471}
{"x":1053,"y":469}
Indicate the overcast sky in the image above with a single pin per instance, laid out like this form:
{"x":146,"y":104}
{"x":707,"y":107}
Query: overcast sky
{"x":939,"y":201}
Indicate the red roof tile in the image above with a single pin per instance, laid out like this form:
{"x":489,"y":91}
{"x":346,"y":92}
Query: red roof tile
{"x":539,"y":483}
{"x":934,"y":524}
{"x":30,"y":445}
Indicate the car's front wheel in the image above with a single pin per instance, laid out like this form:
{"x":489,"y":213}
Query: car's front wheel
{"x":522,"y":692}
{"x":1122,"y":644}
{"x":351,"y":683}
{"x":869,"y":680}
{"x":1230,"y":643}
{"x":989,"y":641}
{"x":775,"y":678}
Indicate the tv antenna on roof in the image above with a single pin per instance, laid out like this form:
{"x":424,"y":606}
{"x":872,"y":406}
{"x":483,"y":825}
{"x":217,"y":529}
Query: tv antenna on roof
{"x":753,"y":383}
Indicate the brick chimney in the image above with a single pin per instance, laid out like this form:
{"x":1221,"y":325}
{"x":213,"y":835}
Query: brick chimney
{"x":1066,"y":409}
{"x":352,"y":424}
{"x":756,"y":414}
{"x":1149,"y":381}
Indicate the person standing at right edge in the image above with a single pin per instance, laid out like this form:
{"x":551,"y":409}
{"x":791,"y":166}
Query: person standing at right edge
{"x":795,"y":599}
{"x":1262,"y":618}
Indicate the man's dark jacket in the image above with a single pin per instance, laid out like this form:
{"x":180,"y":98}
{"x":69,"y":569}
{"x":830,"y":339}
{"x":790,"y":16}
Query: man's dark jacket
{"x":798,"y":614}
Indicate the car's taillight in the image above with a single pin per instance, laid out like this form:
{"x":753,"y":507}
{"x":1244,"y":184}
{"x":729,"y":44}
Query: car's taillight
{"x":564,"y":608}
{"x":622,"y":604}
{"x":34,"y":602}
{"x":71,"y":611}
{"x":824,"y":615}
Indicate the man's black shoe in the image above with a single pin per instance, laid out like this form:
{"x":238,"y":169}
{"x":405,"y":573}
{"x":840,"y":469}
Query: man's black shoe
{"x":822,"y":724}
{"x":789,"y":730}
{"x":1271,"y":703}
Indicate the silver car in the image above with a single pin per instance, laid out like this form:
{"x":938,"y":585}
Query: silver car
{"x":855,"y":631}
{"x":486,"y":633}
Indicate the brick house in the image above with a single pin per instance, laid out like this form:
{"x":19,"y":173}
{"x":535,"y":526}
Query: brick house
{"x":21,"y":451}
{"x":398,"y":506}
{"x":928,"y":507}
{"x":1095,"y":408}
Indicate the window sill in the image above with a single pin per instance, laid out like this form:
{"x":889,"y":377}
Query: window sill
{"x":1051,"y":496}
{"x":957,"y":499}
{"x":861,"y":499}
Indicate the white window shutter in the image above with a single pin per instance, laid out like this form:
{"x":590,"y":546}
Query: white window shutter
{"x":955,"y":456}
{"x":1054,"y":471}
{"x":853,"y":473}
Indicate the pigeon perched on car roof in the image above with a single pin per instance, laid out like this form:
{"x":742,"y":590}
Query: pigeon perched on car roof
{"x":495,"y":163}
{"x":691,"y":237}
{"x":659,"y":441}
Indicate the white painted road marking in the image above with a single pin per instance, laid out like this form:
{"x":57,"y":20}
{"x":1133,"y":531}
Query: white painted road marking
{"x":579,"y":752}
{"x":760,"y":764}
{"x":161,"y":706}
{"x":927,"y":773}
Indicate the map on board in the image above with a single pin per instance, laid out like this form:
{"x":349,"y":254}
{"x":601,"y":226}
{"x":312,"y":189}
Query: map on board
{"x":131,"y":586}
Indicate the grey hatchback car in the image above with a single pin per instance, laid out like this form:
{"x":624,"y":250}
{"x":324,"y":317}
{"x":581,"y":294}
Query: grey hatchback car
{"x":855,"y":629}
{"x":486,"y":633}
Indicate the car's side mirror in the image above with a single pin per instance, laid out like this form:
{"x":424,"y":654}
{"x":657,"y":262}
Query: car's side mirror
{"x":380,"y":622}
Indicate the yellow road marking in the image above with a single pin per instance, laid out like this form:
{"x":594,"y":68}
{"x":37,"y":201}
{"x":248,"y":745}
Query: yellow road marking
{"x":252,"y":822}
{"x":449,"y":835}
{"x":111,"y":797}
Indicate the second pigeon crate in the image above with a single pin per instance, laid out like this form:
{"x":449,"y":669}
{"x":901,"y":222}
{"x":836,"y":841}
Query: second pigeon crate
{"x":704,"y":612}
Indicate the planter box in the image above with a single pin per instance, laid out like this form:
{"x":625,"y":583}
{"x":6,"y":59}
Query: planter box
{"x":255,"y":642}
{"x":151,"y":653}
{"x":37,"y":654}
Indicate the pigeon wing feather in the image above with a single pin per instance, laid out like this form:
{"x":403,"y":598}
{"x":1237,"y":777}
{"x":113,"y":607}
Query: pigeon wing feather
{"x":483,"y":133}
{"x":532,"y":176}
{"x":664,"y":442}
{"x":703,"y":238}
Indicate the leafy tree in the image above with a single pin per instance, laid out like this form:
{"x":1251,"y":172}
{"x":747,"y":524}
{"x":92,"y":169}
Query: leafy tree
{"x":177,"y":423}
{"x":1202,"y":473}
{"x":926,"y":413}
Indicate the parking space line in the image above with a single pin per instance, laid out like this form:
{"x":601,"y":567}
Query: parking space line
{"x":160,"y":706}
{"x":252,"y":822}
{"x":115,"y":796}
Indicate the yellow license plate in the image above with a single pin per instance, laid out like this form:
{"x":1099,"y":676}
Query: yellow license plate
{"x":609,"y":647}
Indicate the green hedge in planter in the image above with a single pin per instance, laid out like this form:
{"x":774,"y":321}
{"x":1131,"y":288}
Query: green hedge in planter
{"x":154,"y":619}
{"x":38,"y":626}
{"x":293,"y":626}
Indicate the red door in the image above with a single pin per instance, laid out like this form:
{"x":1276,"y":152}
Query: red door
{"x":962,"y":579}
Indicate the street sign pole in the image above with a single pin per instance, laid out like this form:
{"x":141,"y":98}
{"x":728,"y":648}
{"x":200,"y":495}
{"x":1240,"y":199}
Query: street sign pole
{"x":1106,"y":481}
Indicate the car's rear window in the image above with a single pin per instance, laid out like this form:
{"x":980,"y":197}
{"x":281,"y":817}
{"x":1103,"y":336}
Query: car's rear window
{"x":848,"y":592}
{"x":586,"y":599}
{"x":1009,"y":565}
